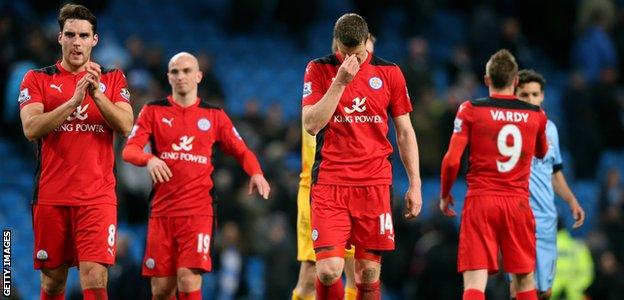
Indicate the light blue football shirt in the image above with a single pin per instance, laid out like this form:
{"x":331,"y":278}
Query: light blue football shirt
{"x":542,"y":196}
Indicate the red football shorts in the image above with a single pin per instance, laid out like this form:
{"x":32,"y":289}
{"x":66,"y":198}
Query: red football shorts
{"x":72,"y":234}
{"x":357,"y":215}
{"x":490,"y":223}
{"x":177,"y":242}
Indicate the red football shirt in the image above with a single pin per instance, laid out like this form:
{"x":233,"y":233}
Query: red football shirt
{"x":503,"y":135}
{"x":353,"y":148}
{"x":76,"y":160}
{"x":183,"y":137}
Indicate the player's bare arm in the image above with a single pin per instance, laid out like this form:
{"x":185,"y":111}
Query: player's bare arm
{"x":36,"y":123}
{"x":158,"y":170}
{"x":257,"y":181}
{"x":562,"y":189}
{"x":450,"y":167}
{"x":316,"y":116}
{"x":118,"y":115}
{"x":408,"y":150}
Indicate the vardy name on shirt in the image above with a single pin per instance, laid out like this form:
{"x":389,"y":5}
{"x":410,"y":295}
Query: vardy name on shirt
{"x":509,"y":116}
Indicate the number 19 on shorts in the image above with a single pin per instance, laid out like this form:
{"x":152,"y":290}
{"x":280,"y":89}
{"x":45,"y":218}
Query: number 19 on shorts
{"x":203,"y":243}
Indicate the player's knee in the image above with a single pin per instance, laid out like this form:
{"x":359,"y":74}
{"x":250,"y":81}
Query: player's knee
{"x":545,"y":295}
{"x":189,"y":282}
{"x":367,"y":271}
{"x":93,"y":276}
{"x":367,"y":266}
{"x":369,"y":274}
{"x":524,"y":281}
{"x":52,"y":286}
{"x":163,"y":292}
{"x":524,"y":278}
{"x":53,"y":281}
{"x":328,"y":273}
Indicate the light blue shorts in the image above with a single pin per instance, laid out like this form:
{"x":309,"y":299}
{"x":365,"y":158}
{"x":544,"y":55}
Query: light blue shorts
{"x":546,"y":259}
{"x":545,"y":263}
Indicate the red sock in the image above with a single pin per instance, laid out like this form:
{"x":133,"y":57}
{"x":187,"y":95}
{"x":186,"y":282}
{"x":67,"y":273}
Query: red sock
{"x":329,"y":292}
{"x":44,"y":296}
{"x":95,"y":294}
{"x":194,"y":295}
{"x":472,"y":294}
{"x":368,"y":291}
{"x":527,"y":295}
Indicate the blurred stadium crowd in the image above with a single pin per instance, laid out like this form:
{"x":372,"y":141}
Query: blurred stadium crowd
{"x":253,"y":54}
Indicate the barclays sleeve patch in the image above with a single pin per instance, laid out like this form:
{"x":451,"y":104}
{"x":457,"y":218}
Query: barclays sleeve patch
{"x":307,"y":89}
{"x":125,"y":93}
{"x":457,"y":128}
{"x":23,"y":96}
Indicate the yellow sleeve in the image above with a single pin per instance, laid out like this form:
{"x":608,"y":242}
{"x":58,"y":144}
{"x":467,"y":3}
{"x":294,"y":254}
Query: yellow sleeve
{"x":308,"y":149}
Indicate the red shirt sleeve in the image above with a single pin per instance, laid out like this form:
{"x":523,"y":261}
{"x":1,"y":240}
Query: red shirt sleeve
{"x":120,"y":88}
{"x":30,"y":90}
{"x":541,"y":145}
{"x":232,"y":143}
{"x":313,"y":87}
{"x":400,"y":102}
{"x":139,"y":136}
{"x":459,"y":140}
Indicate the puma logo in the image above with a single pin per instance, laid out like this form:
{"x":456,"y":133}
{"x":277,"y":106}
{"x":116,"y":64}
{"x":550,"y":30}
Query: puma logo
{"x":168,"y":121}
{"x":56,"y":87}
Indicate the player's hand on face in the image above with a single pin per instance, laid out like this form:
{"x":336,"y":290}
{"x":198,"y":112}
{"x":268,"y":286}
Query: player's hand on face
{"x":446,"y":206}
{"x":95,"y":71}
{"x":350,"y":66}
{"x":413,"y":201}
{"x":158,"y":170}
{"x":578,"y":213}
{"x":258,"y":181}
{"x":81,"y":91}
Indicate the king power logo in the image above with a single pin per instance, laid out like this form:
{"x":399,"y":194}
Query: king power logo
{"x":359,"y":105}
{"x":80,"y":113}
{"x":181,"y":152}
{"x":186,"y":144}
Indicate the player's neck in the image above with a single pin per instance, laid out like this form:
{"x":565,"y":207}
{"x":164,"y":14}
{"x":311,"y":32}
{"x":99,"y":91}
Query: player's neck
{"x":73,"y":69}
{"x":509,"y":91}
{"x":185,"y":100}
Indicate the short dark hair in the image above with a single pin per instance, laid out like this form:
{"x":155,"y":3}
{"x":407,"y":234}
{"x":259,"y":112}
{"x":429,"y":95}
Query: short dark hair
{"x":529,"y":75}
{"x":371,"y":37}
{"x":76,"y":11}
{"x":351,"y":30}
{"x":502,"y":69}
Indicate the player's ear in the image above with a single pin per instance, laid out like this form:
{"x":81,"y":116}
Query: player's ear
{"x":60,"y":36}
{"x":486,"y":79}
{"x":96,"y":38}
{"x":200,"y":75}
{"x":516,"y":81}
